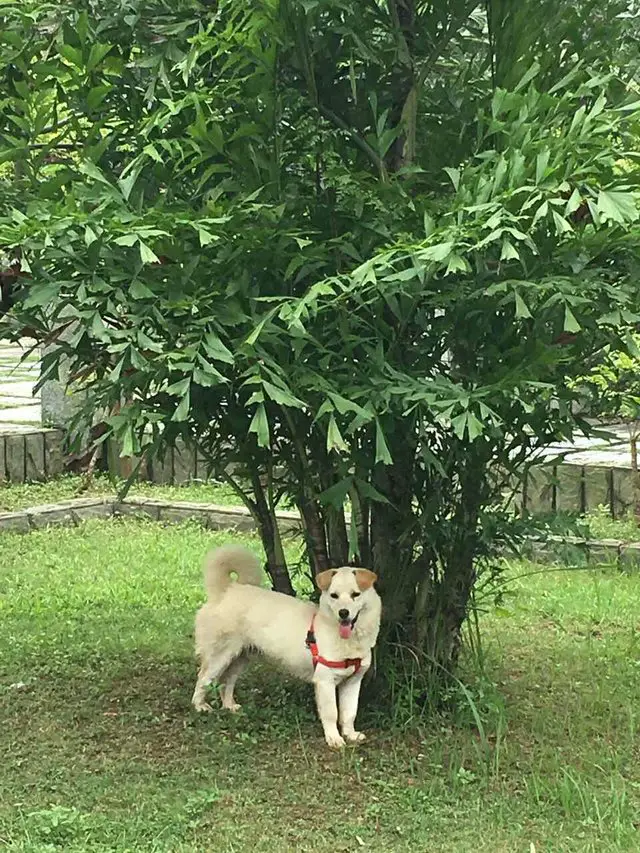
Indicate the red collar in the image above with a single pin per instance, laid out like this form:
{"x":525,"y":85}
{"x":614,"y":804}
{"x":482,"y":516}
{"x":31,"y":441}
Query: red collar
{"x":312,"y":645}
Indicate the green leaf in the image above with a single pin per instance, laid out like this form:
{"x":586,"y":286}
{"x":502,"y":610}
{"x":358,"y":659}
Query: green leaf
{"x":281,"y":397}
{"x":182,"y":411}
{"x":528,"y":77}
{"x":542,"y":161}
{"x":617,"y":206}
{"x":128,"y":443}
{"x":344,"y":406}
{"x":127,"y":240}
{"x":456,"y":264}
{"x":205,"y":236}
{"x":570,"y":322}
{"x":475,"y":427}
{"x":72,"y":55}
{"x":522,"y":311}
{"x":429,"y":224}
{"x":98,"y":328}
{"x":454,"y":175}
{"x":439,"y":252}
{"x":260,"y":426}
{"x":382,"y":451}
{"x":255,"y":334}
{"x":335,"y":441}
{"x":370,"y":492}
{"x":97,"y":54}
{"x":177,"y":389}
{"x":96,"y":96}
{"x":90,"y":235}
{"x":41,"y":294}
{"x":562,"y":226}
{"x":216,"y":350}
{"x":459,"y":424}
{"x":632,"y":346}
{"x":209,"y":377}
{"x":147,"y":255}
{"x":509,"y":251}
{"x":336,"y":495}
{"x":139,"y":290}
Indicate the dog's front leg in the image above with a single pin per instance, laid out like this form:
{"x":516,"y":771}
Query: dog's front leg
{"x":348,"y":694}
{"x":328,"y":712}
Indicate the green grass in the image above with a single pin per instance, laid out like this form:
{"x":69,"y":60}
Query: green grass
{"x":18,"y":496}
{"x":101,"y":752}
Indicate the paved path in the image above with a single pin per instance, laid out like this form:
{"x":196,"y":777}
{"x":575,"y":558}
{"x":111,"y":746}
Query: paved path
{"x":19,"y":372}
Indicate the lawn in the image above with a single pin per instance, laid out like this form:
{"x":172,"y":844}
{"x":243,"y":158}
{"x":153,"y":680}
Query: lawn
{"x":101,"y":752}
{"x":14,"y":496}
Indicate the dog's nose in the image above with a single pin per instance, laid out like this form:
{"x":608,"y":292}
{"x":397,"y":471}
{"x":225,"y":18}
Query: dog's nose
{"x":343,"y":614}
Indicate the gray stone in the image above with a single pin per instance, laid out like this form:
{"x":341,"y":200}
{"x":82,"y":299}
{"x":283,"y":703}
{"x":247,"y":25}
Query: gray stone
{"x":139,"y":507}
{"x":539,"y":490}
{"x":630,"y":557}
{"x":597,"y":488}
{"x":35,"y":464}
{"x":179,"y":513}
{"x":201,"y":468}
{"x":94,"y":508}
{"x":624,"y":494}
{"x":40,"y":517}
{"x":225,"y":520}
{"x":14,"y":446}
{"x":53,"y":458}
{"x":569,"y":550}
{"x":162,"y":469}
{"x":604,"y":552}
{"x":14,"y":522}
{"x":569,"y":488}
{"x":59,"y":402}
{"x":184,"y":464}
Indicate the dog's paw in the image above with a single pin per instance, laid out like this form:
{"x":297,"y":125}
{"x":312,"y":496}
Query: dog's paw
{"x":355,"y":737}
{"x":202,"y":707}
{"x":334,"y":741}
{"x":233,"y":707}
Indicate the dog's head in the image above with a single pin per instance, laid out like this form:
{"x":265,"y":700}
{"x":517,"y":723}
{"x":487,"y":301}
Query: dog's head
{"x":345,"y":593}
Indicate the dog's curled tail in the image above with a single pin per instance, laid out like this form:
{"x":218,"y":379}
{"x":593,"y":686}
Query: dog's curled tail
{"x":222,"y":562}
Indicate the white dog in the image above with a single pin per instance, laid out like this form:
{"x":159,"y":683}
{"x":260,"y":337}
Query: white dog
{"x":329,"y":645}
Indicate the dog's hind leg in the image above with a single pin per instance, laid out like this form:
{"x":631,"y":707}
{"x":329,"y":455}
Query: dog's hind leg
{"x":211,"y":668}
{"x":228,"y":681}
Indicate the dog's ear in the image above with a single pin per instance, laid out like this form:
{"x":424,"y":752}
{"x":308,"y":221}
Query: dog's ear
{"x":323,"y":579}
{"x":364,"y":578}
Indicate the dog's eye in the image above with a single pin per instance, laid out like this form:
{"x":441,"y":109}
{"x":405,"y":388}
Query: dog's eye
{"x":355,"y":594}
{"x":334,"y":595}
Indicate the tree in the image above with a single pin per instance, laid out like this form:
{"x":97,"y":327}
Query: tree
{"x":357,"y":249}
{"x":611,"y":391}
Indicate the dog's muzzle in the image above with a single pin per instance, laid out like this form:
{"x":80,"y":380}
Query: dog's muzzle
{"x":346,"y":626}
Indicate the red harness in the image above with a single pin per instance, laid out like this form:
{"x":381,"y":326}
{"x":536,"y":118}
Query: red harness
{"x":317,"y":658}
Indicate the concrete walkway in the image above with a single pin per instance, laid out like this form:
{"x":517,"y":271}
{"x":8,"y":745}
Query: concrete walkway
{"x":19,"y":372}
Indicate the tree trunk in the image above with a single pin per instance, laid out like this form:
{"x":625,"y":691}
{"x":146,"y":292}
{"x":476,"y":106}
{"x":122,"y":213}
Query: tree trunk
{"x":276,"y":565}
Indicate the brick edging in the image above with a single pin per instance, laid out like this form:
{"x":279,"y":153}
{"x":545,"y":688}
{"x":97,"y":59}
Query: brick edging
{"x":216,"y":517}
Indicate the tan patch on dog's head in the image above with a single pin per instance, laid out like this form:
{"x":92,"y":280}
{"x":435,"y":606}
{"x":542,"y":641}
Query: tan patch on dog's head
{"x":323,"y":579}
{"x":365,"y":579}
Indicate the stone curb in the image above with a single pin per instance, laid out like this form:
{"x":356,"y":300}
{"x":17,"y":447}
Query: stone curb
{"x":71,"y":512}
{"x":559,"y":549}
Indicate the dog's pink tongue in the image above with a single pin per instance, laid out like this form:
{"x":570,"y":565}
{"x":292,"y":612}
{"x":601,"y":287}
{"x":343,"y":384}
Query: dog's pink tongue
{"x":345,"y":630}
